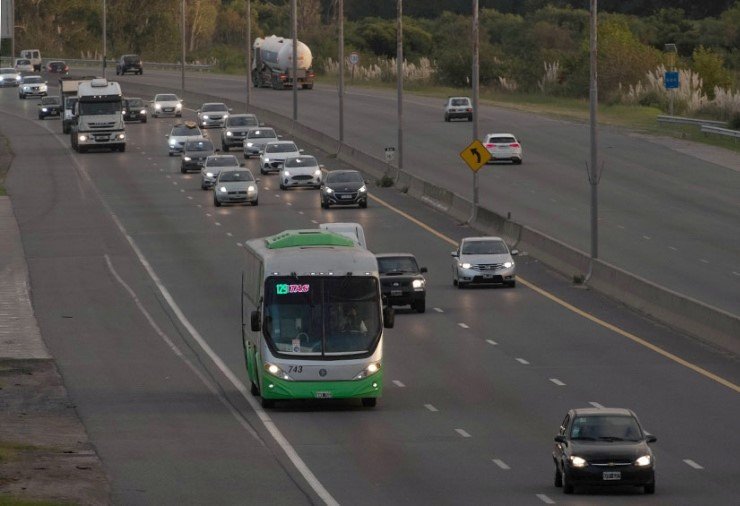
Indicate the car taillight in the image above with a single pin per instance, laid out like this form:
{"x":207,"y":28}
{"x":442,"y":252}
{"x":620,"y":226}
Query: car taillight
{"x":490,"y":145}
{"x":283,"y":76}
{"x":514,"y":145}
{"x":469,"y":109}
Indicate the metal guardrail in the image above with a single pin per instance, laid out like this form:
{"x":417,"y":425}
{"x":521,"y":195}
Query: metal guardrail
{"x":709,"y":129}
{"x":7,"y":61}
{"x":689,"y":121}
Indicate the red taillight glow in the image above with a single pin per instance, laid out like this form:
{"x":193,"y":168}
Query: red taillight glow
{"x":470,"y":110}
{"x":514,"y":145}
{"x":490,"y":145}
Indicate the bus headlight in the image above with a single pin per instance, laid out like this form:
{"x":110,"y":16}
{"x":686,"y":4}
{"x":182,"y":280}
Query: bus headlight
{"x":371,"y":369}
{"x":276,"y":371}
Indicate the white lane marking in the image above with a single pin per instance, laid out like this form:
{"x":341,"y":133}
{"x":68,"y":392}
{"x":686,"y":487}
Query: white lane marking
{"x":314,"y":222}
{"x":704,"y":260}
{"x":168,"y":176}
{"x":182,"y":190}
{"x":189,"y":197}
{"x":148,"y":157}
{"x":462,"y":325}
{"x":267,"y":188}
{"x":553,"y":201}
{"x":439,"y":310}
{"x":161,"y":170}
{"x":736,"y":273}
{"x":491,"y":342}
{"x":646,"y":237}
{"x":288,"y":203}
{"x":621,"y":226}
{"x":200,"y":205}
{"x":398,"y":383}
{"x":208,"y":214}
{"x":596,"y":405}
{"x":462,"y":433}
{"x":300,"y":212}
{"x":174,"y":183}
{"x":693,"y":464}
{"x":277,"y":195}
{"x":557,"y":382}
{"x":545,"y":499}
{"x":522,"y":361}
{"x":218,"y":224}
{"x":672,"y":248}
{"x":500,"y":463}
{"x":239,"y":244}
{"x":431,"y":408}
{"x":228,"y":234}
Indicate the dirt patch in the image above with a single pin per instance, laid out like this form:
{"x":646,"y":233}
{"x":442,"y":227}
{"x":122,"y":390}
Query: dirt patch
{"x":45,"y":455}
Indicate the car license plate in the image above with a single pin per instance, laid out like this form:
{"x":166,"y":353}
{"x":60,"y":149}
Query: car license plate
{"x":488,"y":276}
{"x":323,"y":395}
{"x":345,"y":196}
{"x":167,"y":109}
{"x":396,"y":293}
{"x":611,"y":475}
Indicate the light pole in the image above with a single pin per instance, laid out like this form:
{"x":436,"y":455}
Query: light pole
{"x":182,"y":55}
{"x":105,"y":36}
{"x":12,"y":31}
{"x":475,"y":83}
{"x":294,"y":10}
{"x":593,"y":173}
{"x":399,"y":83}
{"x":249,"y":52}
{"x":340,"y":19}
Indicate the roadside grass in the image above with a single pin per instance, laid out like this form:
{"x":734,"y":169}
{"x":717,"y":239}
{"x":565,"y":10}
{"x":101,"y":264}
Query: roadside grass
{"x":4,"y":163}
{"x":16,"y":501}
{"x":10,"y":450}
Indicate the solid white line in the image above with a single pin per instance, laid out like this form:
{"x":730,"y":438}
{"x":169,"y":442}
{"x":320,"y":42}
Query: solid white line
{"x":491,"y":342}
{"x":646,"y":237}
{"x":398,"y":383}
{"x":500,"y":463}
{"x":557,"y":382}
{"x":439,"y":310}
{"x":462,"y":433}
{"x":463,"y":325}
{"x":596,"y":405}
{"x":545,"y":499}
{"x":522,"y":361}
{"x":431,"y":408}
{"x":693,"y":464}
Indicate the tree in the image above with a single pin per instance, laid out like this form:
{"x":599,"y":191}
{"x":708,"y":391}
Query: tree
{"x":710,"y":66}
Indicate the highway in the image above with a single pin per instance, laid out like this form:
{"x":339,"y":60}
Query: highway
{"x":135,"y":280}
{"x":670,"y":217}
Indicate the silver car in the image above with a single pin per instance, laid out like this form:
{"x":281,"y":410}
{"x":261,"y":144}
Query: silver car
{"x":33,"y":86}
{"x":235,"y":186}
{"x":213,"y":167}
{"x":181,"y":133}
{"x":235,"y":130}
{"x":275,"y":153}
{"x":483,"y":260}
{"x":256,"y":139}
{"x":212,"y":114}
{"x":166,"y":104}
{"x":9,"y":77}
{"x":300,"y":171}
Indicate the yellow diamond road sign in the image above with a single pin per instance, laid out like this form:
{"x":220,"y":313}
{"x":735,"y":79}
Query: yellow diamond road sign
{"x":476,"y":155}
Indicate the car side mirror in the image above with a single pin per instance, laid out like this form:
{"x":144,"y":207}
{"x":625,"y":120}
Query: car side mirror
{"x":514,"y":252}
{"x":454,"y":254}
{"x":423,"y":270}
{"x":280,"y":136}
{"x":560,"y":439}
{"x":255,"y":321}
{"x":649,"y":438}
{"x":301,"y":150}
{"x":389,"y":317}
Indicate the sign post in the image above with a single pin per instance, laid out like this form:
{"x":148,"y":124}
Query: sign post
{"x":671,"y":79}
{"x":354,"y":59}
{"x":475,"y":155}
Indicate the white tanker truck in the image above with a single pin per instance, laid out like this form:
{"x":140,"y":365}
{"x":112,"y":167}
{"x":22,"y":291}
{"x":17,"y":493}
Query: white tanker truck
{"x":272,"y":63}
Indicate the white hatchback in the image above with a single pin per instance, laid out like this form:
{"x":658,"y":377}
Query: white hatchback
{"x":503,"y":147}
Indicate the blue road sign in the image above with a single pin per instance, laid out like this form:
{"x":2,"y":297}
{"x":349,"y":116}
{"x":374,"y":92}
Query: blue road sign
{"x":671,"y":80}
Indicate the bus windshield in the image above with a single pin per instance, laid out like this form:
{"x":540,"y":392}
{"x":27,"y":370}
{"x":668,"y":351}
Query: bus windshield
{"x":322,"y":316}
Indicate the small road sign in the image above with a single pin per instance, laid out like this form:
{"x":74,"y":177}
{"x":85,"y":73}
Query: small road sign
{"x":354,"y":58}
{"x":390,"y":152}
{"x":671,"y":80}
{"x":475,"y":155}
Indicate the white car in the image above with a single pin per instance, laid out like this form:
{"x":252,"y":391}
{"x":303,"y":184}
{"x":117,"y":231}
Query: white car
{"x":23,"y":65}
{"x":181,"y":133}
{"x":235,"y":186}
{"x":483,"y":260}
{"x":256,"y":139}
{"x":9,"y":77}
{"x":212,"y":114}
{"x":300,"y":171}
{"x":213,"y":167}
{"x":166,"y":104}
{"x":503,"y":147}
{"x":458,"y":107}
{"x":32,"y":86}
{"x":275,"y":153}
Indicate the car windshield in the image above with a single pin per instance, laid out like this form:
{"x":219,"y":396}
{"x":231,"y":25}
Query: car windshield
{"x":460,"y":101}
{"x":166,"y":98}
{"x":344,"y":177}
{"x":281,"y":148}
{"x":199,"y":145}
{"x":7,"y":71}
{"x":214,"y":107}
{"x":239,"y":121}
{"x":322,"y":316}
{"x":23,"y":62}
{"x":32,"y":79}
{"x":388,"y":265}
{"x":496,"y":247}
{"x":135,"y":103}
{"x":185,"y":131}
{"x":605,"y":428}
{"x":230,"y":176}
{"x":222,"y":161}
{"x":504,"y":139}
{"x":301,"y":161}
{"x":100,"y":108}
{"x":262,"y":133}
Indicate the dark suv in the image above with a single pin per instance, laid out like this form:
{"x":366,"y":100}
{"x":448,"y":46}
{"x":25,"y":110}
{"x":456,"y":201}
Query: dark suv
{"x":401,"y":280}
{"x":129,"y":63}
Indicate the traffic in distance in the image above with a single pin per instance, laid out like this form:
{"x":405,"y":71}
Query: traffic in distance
{"x":317,"y":301}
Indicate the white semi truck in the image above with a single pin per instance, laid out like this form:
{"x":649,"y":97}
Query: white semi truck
{"x":68,"y":86}
{"x":272,"y":63}
{"x":99,"y":116}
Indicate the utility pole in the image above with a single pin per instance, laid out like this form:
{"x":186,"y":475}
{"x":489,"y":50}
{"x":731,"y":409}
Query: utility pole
{"x":294,"y":9}
{"x":105,"y":36}
{"x":249,"y":52}
{"x":340,"y":20}
{"x":593,"y":173}
{"x":399,"y":82}
{"x":476,"y":78}
{"x":12,"y":32}
{"x":182,"y":53}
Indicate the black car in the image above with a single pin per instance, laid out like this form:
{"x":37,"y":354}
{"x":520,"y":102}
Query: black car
{"x":401,"y":280}
{"x":50,"y":106}
{"x":603,"y":447}
{"x":129,"y":63}
{"x":194,"y":154}
{"x":134,"y":109}
{"x":343,"y":188}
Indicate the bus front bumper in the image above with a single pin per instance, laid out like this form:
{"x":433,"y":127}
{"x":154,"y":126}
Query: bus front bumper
{"x":276,"y":388}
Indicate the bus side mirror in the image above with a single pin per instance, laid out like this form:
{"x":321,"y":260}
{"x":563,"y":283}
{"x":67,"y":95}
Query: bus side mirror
{"x":255,"y":321}
{"x":389,"y":317}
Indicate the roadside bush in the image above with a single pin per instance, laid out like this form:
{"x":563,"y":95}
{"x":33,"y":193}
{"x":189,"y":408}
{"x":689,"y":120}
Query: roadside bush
{"x":710,"y":66}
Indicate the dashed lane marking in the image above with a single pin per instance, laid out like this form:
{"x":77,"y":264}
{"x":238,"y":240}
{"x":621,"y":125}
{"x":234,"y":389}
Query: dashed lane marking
{"x":218,"y":224}
{"x":439,"y":310}
{"x":672,"y":248}
{"x":522,"y":361}
{"x":462,"y":433}
{"x":596,"y":405}
{"x":646,"y":237}
{"x":693,"y":464}
{"x":229,"y":234}
{"x":545,"y":499}
{"x":462,"y":325}
{"x":239,"y":244}
{"x":398,"y":383}
{"x":557,"y":382}
{"x":491,"y":342}
{"x":500,"y":463}
{"x":431,"y":408}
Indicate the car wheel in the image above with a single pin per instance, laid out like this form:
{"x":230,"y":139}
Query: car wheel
{"x":363,"y":204}
{"x":568,"y":488}
{"x":323,"y":205}
{"x":256,"y":202}
{"x":144,"y":120}
{"x":41,"y":117}
{"x":650,"y":489}
{"x":267,"y":403}
{"x":183,"y":169}
{"x":369,"y":402}
{"x":22,"y":96}
{"x":141,"y":72}
{"x":171,"y":153}
{"x":558,"y":481}
{"x":461,"y":285}
{"x":518,"y":162}
{"x":470,"y":118}
{"x":178,"y":115}
{"x":447,"y":118}
{"x":216,"y":202}
{"x":282,"y":186}
{"x":454,"y":282}
{"x":420,"y":306}
{"x":203,"y":186}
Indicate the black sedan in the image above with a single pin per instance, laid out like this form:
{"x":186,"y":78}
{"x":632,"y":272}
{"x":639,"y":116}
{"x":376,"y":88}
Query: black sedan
{"x":194,"y":154}
{"x":134,"y":109}
{"x":603,"y":447}
{"x":50,"y":106}
{"x":343,"y":188}
{"x":401,"y":280}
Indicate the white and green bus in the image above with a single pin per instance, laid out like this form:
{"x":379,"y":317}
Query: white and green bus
{"x":317,"y":318}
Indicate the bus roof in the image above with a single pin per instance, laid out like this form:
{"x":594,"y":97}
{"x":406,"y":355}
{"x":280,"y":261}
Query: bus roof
{"x":303,"y":238}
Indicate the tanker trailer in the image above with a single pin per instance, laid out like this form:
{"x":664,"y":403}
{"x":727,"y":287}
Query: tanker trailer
{"x":272,"y":64}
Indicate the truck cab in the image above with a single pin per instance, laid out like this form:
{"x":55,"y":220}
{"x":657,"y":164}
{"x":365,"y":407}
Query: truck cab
{"x":34,"y":55}
{"x":99,"y":113}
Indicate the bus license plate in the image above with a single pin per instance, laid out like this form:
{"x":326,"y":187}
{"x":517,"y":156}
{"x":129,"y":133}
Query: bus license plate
{"x":612,"y":475}
{"x":323,"y":395}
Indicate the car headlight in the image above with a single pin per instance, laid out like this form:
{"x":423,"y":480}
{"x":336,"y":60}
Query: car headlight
{"x":644,"y":461}
{"x":250,"y":144}
{"x":508,"y":265}
{"x":329,"y":190}
{"x":143,"y":112}
{"x":317,"y":173}
{"x":266,"y":159}
{"x":44,"y":109}
{"x":465,"y":265}
{"x":277,"y":372}
{"x":178,"y":106}
{"x":82,"y":138}
{"x":172,"y":143}
{"x":418,"y":283}
{"x":226,"y":116}
{"x":363,"y":189}
{"x":371,"y":369}
{"x":578,"y":461}
{"x":209,"y":174}
{"x":229,"y":134}
{"x":157,"y":106}
{"x":17,"y":78}
{"x":286,"y":173}
{"x":251,"y":189}
{"x":186,"y":158}
{"x":223,"y":189}
{"x":205,"y":116}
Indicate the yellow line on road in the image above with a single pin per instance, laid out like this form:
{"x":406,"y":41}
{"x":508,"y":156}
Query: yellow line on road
{"x":575,"y":310}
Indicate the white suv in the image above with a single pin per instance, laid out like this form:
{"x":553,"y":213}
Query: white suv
{"x":458,"y":107}
{"x":503,"y":147}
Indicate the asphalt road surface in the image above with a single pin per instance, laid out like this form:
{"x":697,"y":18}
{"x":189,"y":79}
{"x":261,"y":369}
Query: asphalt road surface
{"x":135,"y":279}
